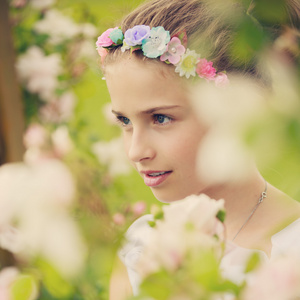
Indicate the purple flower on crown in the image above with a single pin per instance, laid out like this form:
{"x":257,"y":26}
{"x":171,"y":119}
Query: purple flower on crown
{"x":136,"y":35}
{"x":104,"y":40}
{"x":174,"y":51}
{"x":156,"y":44}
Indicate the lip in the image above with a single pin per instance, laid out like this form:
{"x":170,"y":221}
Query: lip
{"x":154,"y":181}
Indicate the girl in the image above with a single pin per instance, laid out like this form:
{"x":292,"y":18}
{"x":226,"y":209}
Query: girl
{"x":149,"y":64}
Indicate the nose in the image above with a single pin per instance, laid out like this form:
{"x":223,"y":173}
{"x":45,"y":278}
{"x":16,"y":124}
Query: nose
{"x":140,"y":146}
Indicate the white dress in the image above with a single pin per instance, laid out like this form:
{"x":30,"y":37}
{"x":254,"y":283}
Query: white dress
{"x":233,"y":262}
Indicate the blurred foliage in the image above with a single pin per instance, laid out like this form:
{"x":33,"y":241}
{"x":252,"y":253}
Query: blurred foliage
{"x":275,"y":140}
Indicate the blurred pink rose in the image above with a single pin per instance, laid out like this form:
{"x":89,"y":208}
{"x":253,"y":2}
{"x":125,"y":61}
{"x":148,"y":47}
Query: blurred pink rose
{"x":221,"y":79}
{"x":119,"y":219}
{"x":192,"y":220}
{"x":35,"y":136}
{"x":60,"y":109}
{"x":139,"y":208}
{"x":102,"y":52}
{"x":276,"y":280}
{"x":7,"y":277}
{"x":104,"y":40}
{"x":18,"y":4}
{"x":61,"y":140}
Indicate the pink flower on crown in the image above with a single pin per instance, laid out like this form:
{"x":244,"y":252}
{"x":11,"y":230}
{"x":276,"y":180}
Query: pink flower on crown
{"x":104,"y":40}
{"x":174,"y":51}
{"x":205,"y":69}
{"x":221,"y":79}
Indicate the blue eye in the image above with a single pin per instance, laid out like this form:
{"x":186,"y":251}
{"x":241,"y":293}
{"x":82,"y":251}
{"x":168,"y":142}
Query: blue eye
{"x":161,"y":119}
{"x":124,"y":121}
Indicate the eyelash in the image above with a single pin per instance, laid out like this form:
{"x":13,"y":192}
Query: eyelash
{"x":121,"y":120}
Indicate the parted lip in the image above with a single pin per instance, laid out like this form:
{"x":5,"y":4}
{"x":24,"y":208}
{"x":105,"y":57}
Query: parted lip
{"x":148,"y":172}
{"x":154,"y":171}
{"x":154,"y":178}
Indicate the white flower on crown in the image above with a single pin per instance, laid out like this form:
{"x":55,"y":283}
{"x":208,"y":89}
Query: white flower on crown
{"x":39,"y":72}
{"x":57,"y":26}
{"x":188,"y":63}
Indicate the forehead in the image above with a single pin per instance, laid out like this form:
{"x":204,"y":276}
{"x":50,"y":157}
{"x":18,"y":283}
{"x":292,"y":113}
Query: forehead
{"x":144,"y":84}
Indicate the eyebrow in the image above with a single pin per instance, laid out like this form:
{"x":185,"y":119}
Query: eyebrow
{"x":150,"y":110}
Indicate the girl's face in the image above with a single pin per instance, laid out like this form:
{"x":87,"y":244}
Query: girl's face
{"x":161,"y":131}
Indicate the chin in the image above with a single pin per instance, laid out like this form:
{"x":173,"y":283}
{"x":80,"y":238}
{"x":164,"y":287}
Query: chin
{"x":167,"y":197}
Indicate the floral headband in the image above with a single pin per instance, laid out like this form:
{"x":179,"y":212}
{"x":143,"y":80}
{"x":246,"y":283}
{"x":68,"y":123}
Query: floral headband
{"x":157,"y":43}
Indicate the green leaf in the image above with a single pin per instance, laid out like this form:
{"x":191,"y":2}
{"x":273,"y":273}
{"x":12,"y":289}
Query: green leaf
{"x":270,"y":11}
{"x":248,"y":41}
{"x":134,"y":48}
{"x":252,"y":263}
{"x":152,"y":223}
{"x":159,"y":215}
{"x":158,"y":285}
{"x":56,"y":285}
{"x":24,"y":288}
{"x":221,"y":215}
{"x":205,"y":268}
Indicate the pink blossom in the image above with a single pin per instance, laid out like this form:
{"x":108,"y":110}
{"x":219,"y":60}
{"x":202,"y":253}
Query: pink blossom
{"x":60,"y":109}
{"x":18,"y":4}
{"x":61,"y":140}
{"x":7,"y":276}
{"x":35,"y":136}
{"x":221,"y":80}
{"x":102,"y":52}
{"x":205,"y":69}
{"x":119,"y":219}
{"x":104,"y":40}
{"x":139,"y":208}
{"x":174,"y":51}
{"x":276,"y":280}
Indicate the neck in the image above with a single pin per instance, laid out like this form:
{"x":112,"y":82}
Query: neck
{"x":240,"y":199}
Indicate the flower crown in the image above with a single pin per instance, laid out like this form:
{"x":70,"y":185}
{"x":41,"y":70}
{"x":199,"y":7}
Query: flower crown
{"x":157,"y":43}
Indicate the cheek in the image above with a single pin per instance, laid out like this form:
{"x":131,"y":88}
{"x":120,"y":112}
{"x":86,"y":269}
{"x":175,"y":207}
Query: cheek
{"x":186,"y":150}
{"x":183,"y":148}
{"x":189,"y":140}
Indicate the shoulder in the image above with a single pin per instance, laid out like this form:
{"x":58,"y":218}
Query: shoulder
{"x":280,"y":212}
{"x":287,"y":240}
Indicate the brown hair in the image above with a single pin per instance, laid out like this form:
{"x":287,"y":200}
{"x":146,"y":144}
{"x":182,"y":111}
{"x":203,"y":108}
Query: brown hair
{"x":207,"y":24}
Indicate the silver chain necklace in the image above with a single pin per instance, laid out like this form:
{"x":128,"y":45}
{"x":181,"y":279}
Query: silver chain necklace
{"x":260,"y":200}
